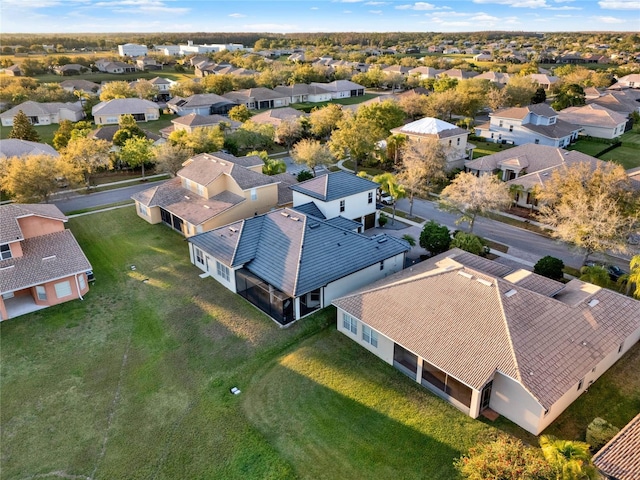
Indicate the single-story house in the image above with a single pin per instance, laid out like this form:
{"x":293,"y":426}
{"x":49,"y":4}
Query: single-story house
{"x":257,"y":98}
{"x":109,"y":112}
{"x":454,"y":139}
{"x":202,"y":104}
{"x":13,"y":71}
{"x":70,"y":69}
{"x":424,"y":72}
{"x":621,"y":101}
{"x":544,"y":80}
{"x":595,"y":120}
{"x":301,"y":93}
{"x":44,"y":113}
{"x":276,"y":116}
{"x":341,"y":88}
{"x":41,"y":263}
{"x":482,"y":335}
{"x":631,"y":81}
{"x":458,"y":74}
{"x":209,"y":191}
{"x":190,"y":122}
{"x":14,"y":147}
{"x":289,"y":264}
{"x":495,"y":77}
{"x":107,"y":132}
{"x":80,"y":85}
{"x":109,"y":66}
{"x":619,"y":459}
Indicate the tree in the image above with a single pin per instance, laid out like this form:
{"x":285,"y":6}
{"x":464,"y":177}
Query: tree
{"x":444,"y":83}
{"x":423,"y":163}
{"x":312,"y":153}
{"x":497,"y":98}
{"x":571,"y":459}
{"x":136,"y":152}
{"x":506,"y":458}
{"x":595,"y":274}
{"x":435,"y":238}
{"x":22,"y":128}
{"x":128,"y":129}
{"x":218,"y":84}
{"x":550,"y":267}
{"x":324,"y":120}
{"x":571,"y":95}
{"x":289,"y":131}
{"x":240,"y":113}
{"x":356,"y":138}
{"x":469,"y":196}
{"x":146,"y":90}
{"x":304,"y":175}
{"x":274,"y":167}
{"x":414,"y":106}
{"x":83,"y":157}
{"x":540,"y":96}
{"x":473,"y":96}
{"x":63,"y":134}
{"x":119,"y":89}
{"x":593,"y":209}
{"x":200,"y":139}
{"x":519,"y":91}
{"x":443,"y":105}
{"x":31,"y":179}
{"x":252,"y":136}
{"x":385,"y":115}
{"x":599,"y":432}
{"x":469,"y":243}
{"x":632,"y":279}
{"x":389,"y":184}
{"x":170,"y":157}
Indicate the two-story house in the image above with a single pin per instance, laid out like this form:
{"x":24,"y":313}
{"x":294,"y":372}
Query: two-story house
{"x":41,"y":263}
{"x":289,"y":264}
{"x":338,"y":197}
{"x":537,"y":124}
{"x":452,"y":138}
{"x":211,"y":190}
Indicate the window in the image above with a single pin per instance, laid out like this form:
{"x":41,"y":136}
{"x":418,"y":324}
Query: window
{"x":341,"y":205}
{"x":370,"y":197}
{"x":82,"y":282}
{"x":511,"y":128}
{"x":200,"y":189}
{"x":63,"y":289}
{"x":142,"y":210}
{"x":370,"y":336}
{"x":449,"y":142}
{"x":537,"y":141}
{"x":350,"y":323}
{"x":458,"y":142}
{"x":41,"y":292}
{"x":492,"y":135}
{"x":199,"y":255}
{"x":501,"y":123}
{"x":382,"y":265}
{"x":580,"y":384}
{"x":5,"y":251}
{"x":254,"y":194}
{"x":222,"y":270}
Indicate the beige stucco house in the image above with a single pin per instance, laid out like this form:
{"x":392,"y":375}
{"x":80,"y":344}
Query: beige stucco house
{"x":211,"y":190}
{"x":482,"y":335}
{"x":109,"y":112}
{"x":41,"y":263}
{"x":44,"y":113}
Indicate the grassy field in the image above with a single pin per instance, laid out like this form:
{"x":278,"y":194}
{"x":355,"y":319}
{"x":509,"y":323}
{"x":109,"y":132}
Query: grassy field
{"x":340,"y":101}
{"x":488,"y":148}
{"x":628,"y":157}
{"x":589,"y":147}
{"x":133,"y":382}
{"x":46,"y":132}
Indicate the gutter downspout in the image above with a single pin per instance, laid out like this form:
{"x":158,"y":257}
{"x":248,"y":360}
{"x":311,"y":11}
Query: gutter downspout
{"x":78,"y":286}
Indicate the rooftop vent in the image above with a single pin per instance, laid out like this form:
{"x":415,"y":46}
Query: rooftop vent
{"x":314,"y":225}
{"x":465,"y":274}
{"x":284,"y":214}
{"x":50,"y":257}
{"x":484,"y":282}
{"x":510,"y":293}
{"x":206,"y":206}
{"x":593,"y":302}
{"x":187,"y":197}
{"x":382,"y":240}
{"x":233,"y":229}
{"x":295,"y":219}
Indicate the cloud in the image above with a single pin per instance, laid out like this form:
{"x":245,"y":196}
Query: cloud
{"x":375,"y":4}
{"x":483,"y":17}
{"x":315,"y":8}
{"x":376,"y":12}
{"x":347,"y":11}
{"x":609,"y":20}
{"x":237,"y":15}
{"x":563,"y":16}
{"x":564,"y":8}
{"x":417,"y":6}
{"x":619,"y":4}
{"x":517,"y":3}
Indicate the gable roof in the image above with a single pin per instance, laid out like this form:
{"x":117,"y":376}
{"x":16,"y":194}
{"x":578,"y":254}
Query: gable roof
{"x":9,"y":214}
{"x":620,"y":457}
{"x":195,"y":120}
{"x":294,"y":252}
{"x":276,"y":116}
{"x":334,"y":185}
{"x":545,"y":343}
{"x":300,"y":89}
{"x":258,"y":93}
{"x":205,"y":168}
{"x":200,"y":100}
{"x":14,"y":147}
{"x":339,"y":86}
{"x":107,"y":132}
{"x":520,"y":113}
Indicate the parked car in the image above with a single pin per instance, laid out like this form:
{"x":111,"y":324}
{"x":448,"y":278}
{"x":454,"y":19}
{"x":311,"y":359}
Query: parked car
{"x":387,"y":199}
{"x":614,"y":271}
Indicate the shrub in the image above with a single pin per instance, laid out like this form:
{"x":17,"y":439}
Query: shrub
{"x":470,"y":243}
{"x":549,"y":267}
{"x":409,"y":239}
{"x":304,"y":175}
{"x":382,"y":220}
{"x":435,"y":238}
{"x":600,"y":432}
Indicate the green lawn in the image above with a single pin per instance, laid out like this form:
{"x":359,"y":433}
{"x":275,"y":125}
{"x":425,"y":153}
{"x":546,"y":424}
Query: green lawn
{"x":628,"y":157}
{"x":589,"y":147}
{"x":133,"y":382}
{"x":632,"y":136}
{"x":341,"y":101}
{"x":46,"y":132}
{"x":488,"y":148}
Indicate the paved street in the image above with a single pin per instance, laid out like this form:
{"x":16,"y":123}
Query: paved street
{"x":73,"y":201}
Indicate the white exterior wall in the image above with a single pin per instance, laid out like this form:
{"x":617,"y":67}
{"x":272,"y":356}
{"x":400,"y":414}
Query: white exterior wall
{"x":512,"y":401}
{"x":210,"y":267}
{"x":355,"y":205}
{"x":385,"y":347}
{"x":132,"y":50}
{"x":321,"y":97}
{"x":603,"y":132}
{"x":348,"y":284}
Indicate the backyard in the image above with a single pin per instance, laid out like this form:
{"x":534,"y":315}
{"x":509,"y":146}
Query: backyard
{"x":133,"y":382}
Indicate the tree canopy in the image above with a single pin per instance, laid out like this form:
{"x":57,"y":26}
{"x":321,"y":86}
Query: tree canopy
{"x":312,"y":153}
{"x":22,"y":128}
{"x":31,"y":179}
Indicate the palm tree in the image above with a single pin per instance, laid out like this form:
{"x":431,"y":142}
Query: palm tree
{"x":389,"y":184}
{"x":631,"y":281}
{"x":595,"y":274}
{"x":571,"y":459}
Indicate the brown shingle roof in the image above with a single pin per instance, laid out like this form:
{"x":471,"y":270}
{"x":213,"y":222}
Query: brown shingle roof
{"x":204,"y":169}
{"x":620,"y":458}
{"x":519,"y":113}
{"x":9,"y":214}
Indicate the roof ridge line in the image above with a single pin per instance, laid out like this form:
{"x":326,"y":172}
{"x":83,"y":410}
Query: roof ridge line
{"x":235,"y":249}
{"x":508,"y":331}
{"x":297,"y":275}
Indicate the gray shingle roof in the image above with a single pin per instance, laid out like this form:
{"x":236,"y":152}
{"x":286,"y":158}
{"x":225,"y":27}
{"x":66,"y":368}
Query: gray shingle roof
{"x":199,"y":100}
{"x":121,"y":106}
{"x":9,"y":214}
{"x":592,"y":115}
{"x":519,"y":113}
{"x":620,"y":458}
{"x":294,"y":252}
{"x":14,"y":147}
{"x":334,"y":185}
{"x":471,"y":328}
{"x":560,"y":129}
{"x":45,"y":258}
{"x":195,"y":120}
{"x":35,"y":109}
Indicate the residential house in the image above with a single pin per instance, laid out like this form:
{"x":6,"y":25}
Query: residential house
{"x":621,"y":101}
{"x":591,"y":93}
{"x":595,"y":120}
{"x":289,"y":264}
{"x":41,"y":263}
{"x":107,"y":132}
{"x":164,"y":87}
{"x":342,"y":88}
{"x":303,"y":93}
{"x":619,"y":459}
{"x":108,"y":66}
{"x":424,"y":73}
{"x":202,"y":104}
{"x":495,"y":77}
{"x":631,"y":81}
{"x":147,"y":63}
{"x":482,"y":335}
{"x":85,"y":86}
{"x":338,"y":194}
{"x":544,"y":80}
{"x":257,"y":98}
{"x":190,"y":122}
{"x":537,"y":124}
{"x":397,"y":70}
{"x":13,"y":71}
{"x":109,"y":112}
{"x":132,"y":50}
{"x":70,"y":69}
{"x":14,"y":147}
{"x":458,"y":74}
{"x":209,"y":191}
{"x":44,"y":113}
{"x":454,"y":139}
{"x":483,"y":57}
{"x":276,"y":116}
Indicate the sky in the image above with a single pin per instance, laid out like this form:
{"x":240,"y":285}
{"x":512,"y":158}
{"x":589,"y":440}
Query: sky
{"x":294,"y":16}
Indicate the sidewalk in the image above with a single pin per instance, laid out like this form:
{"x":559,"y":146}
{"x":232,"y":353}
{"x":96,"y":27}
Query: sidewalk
{"x":119,"y":182}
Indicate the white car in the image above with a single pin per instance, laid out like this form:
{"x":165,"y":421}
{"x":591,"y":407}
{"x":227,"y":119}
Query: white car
{"x":387,"y":199}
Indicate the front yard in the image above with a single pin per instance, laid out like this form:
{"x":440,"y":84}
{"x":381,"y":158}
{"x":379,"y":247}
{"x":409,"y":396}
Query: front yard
{"x":133,"y":382}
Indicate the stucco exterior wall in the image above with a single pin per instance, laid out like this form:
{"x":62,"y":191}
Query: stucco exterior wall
{"x":16,"y":249}
{"x":603,"y":132}
{"x":150,"y":214}
{"x":34,"y":226}
{"x":210,"y":267}
{"x":512,"y":401}
{"x":384,"y":350}
{"x":355,"y":205}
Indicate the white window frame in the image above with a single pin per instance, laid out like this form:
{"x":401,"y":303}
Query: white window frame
{"x":254,"y":194}
{"x":222,"y":270}
{"x":349,"y":323}
{"x":5,"y":252}
{"x":198,"y":255}
{"x":369,"y":336}
{"x":342,"y":205}
{"x":63,"y":289}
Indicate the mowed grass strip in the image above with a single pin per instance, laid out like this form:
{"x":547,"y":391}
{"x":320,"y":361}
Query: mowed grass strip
{"x":334,"y":410}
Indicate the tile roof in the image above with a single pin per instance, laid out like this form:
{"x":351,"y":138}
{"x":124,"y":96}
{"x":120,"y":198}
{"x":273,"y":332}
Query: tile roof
{"x":205,"y":168}
{"x":14,"y":147}
{"x":471,"y":324}
{"x":310,"y":208}
{"x":620,"y":458}
{"x":334,"y":185}
{"x":285,"y":194}
{"x":120,"y":106}
{"x":520,"y":113}
{"x":592,"y":115}
{"x":429,"y":126}
{"x":35,"y":109}
{"x":45,"y":258}
{"x":9,"y":214}
{"x":294,"y":252}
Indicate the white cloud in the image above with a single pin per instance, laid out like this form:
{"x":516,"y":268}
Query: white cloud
{"x":374,"y":4}
{"x":564,"y":8}
{"x":563,"y":16}
{"x":609,"y":20}
{"x":376,"y":12}
{"x":237,"y":15}
{"x":517,"y":3}
{"x":483,"y":17}
{"x":315,"y":8}
{"x":417,"y":6}
{"x":619,"y":4}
